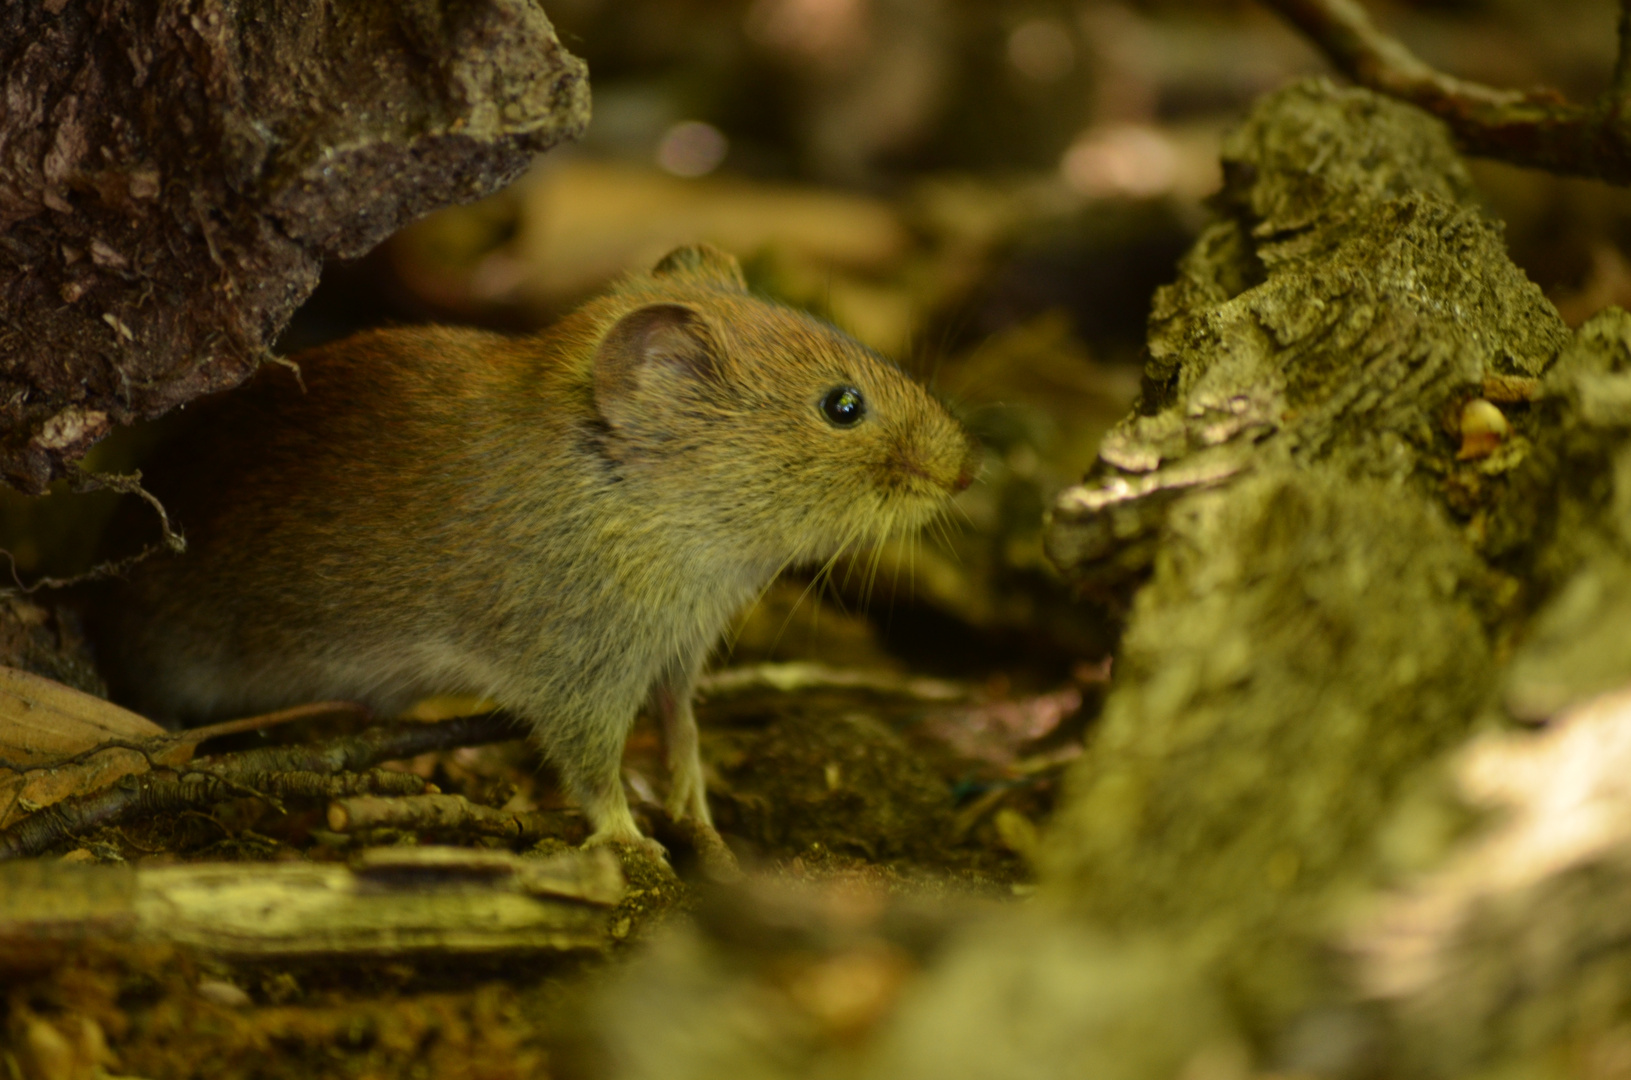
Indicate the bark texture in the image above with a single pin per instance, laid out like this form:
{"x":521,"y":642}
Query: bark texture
{"x":1348,"y":303}
{"x":173,"y":173}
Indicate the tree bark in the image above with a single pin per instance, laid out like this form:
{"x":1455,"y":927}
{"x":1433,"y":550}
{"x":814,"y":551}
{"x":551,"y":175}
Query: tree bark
{"x":174,"y":172}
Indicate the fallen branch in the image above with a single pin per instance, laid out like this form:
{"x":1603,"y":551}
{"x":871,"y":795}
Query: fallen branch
{"x":1536,"y":128}
{"x":369,"y":747}
{"x":262,"y":772}
{"x":389,"y":902}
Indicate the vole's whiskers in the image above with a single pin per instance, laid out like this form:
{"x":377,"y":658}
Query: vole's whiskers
{"x":949,"y":331}
{"x":911,"y":567}
{"x":947,"y":539}
{"x":877,"y":559}
{"x":815,"y":580}
{"x":733,"y":633}
{"x":910,"y":538}
{"x":936,"y":529}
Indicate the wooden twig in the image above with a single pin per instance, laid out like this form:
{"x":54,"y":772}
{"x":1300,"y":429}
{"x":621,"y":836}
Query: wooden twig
{"x":39,"y":717}
{"x":369,"y":747}
{"x":1536,"y":128}
{"x":272,"y":719}
{"x":802,"y":677}
{"x":454,"y":813}
{"x":251,"y":773}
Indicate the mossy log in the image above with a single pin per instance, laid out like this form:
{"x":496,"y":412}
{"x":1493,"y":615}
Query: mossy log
{"x":172,"y":176}
{"x":1373,"y":500}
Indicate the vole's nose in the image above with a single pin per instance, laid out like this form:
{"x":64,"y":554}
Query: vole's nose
{"x":965,"y":478}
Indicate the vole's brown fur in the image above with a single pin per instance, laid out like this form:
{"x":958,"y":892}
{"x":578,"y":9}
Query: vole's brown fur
{"x":564,"y":523}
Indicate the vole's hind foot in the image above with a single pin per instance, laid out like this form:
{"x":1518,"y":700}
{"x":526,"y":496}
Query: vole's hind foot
{"x":633,"y":838}
{"x":712,"y":855}
{"x":599,"y":791}
{"x":688,"y":794}
{"x":615,"y":825}
{"x":687,"y":790}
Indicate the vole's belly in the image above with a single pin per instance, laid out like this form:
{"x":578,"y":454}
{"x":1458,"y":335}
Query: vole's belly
{"x":195,"y":685}
{"x":246,"y":655}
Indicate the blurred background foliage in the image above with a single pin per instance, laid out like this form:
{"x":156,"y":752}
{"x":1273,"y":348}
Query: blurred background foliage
{"x":988,"y":190}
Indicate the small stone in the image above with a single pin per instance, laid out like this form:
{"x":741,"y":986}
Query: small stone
{"x":221,"y":992}
{"x":103,"y":254}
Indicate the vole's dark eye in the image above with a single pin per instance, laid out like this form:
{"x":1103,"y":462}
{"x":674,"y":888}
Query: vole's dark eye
{"x":843,"y":405}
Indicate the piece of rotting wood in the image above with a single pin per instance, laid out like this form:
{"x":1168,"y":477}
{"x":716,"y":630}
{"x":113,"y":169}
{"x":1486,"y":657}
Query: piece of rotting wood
{"x":388,"y":902}
{"x":1349,"y":295}
{"x":1311,"y":569}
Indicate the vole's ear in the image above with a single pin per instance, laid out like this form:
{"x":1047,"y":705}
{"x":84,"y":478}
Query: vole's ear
{"x":704,"y":263}
{"x":650,"y":346}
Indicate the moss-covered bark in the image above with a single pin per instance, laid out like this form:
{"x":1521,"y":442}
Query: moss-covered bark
{"x":1343,"y":560}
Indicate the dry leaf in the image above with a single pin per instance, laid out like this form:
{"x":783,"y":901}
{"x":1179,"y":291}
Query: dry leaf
{"x":43,"y":721}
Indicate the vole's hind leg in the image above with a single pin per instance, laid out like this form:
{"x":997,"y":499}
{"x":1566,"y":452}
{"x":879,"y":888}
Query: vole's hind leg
{"x":608,"y":811}
{"x":591,"y":766}
{"x":671,"y":698}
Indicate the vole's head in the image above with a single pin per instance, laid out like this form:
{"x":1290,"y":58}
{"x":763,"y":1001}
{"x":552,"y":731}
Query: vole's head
{"x":765,"y":426}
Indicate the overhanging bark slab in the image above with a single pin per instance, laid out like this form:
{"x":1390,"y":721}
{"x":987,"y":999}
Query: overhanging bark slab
{"x":174,"y":172}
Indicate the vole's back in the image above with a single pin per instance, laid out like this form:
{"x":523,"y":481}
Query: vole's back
{"x":323,"y":525}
